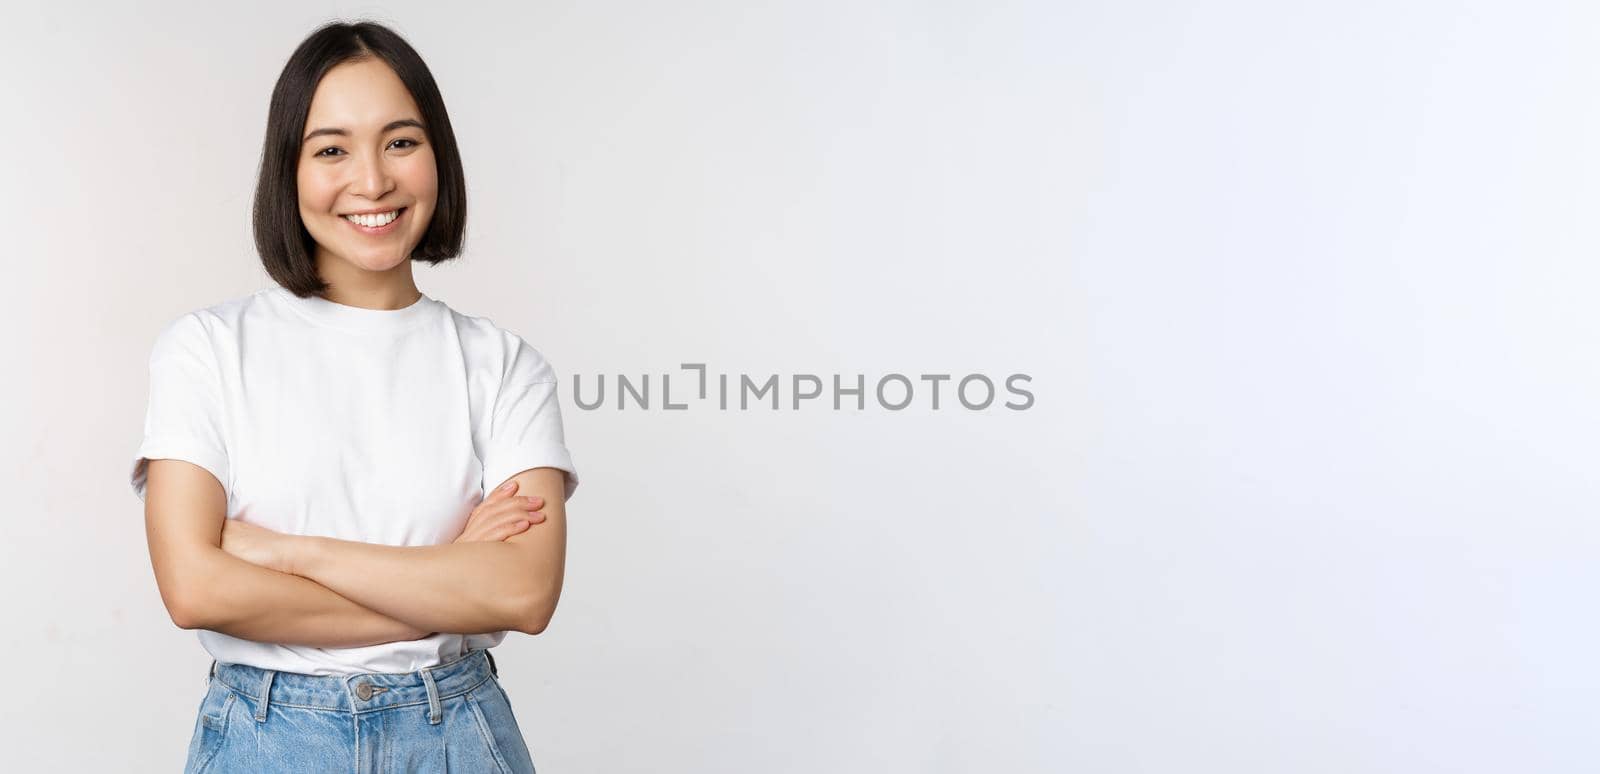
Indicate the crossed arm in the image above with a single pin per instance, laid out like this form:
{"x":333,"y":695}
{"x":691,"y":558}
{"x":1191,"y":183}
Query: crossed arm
{"x":256,"y":584}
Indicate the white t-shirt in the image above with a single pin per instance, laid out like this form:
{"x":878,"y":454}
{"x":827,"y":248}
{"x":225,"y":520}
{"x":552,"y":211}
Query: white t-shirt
{"x":383,"y":426}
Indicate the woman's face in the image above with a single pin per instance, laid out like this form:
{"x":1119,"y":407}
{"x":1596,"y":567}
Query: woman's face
{"x":364,"y":150}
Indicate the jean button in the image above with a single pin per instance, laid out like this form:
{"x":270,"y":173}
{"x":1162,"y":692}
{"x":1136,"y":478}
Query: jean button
{"x":364,"y":690}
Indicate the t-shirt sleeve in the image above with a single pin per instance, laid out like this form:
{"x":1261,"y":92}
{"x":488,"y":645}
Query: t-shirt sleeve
{"x":525,"y":428}
{"x":184,"y":418}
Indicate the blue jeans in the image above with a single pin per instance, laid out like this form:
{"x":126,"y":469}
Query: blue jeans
{"x":452,"y":717}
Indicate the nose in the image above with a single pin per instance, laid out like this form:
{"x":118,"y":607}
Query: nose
{"x":372,"y":179}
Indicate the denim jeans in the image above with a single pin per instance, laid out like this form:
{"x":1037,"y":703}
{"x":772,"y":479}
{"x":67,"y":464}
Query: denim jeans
{"x":452,"y":717}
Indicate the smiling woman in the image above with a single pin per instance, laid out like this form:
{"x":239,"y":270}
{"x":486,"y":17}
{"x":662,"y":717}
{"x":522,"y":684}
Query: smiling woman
{"x":367,"y":172}
{"x":357,"y":127}
{"x":352,"y":490}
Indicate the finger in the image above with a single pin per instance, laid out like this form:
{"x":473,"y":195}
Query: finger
{"x":502,"y":513}
{"x":503,"y":491}
{"x":500,"y":494}
{"x":507,"y":510}
{"x":518,"y":508}
{"x":514,"y":528}
{"x":533,"y":502}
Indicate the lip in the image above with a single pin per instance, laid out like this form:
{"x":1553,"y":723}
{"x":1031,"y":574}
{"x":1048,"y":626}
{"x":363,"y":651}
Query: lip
{"x":380,"y":230}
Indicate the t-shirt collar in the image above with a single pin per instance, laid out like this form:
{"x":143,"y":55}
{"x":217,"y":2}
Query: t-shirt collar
{"x":355,"y":318}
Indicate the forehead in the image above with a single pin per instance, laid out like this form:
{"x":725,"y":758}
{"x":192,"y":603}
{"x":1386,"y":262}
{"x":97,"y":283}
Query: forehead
{"x":360,"y":96}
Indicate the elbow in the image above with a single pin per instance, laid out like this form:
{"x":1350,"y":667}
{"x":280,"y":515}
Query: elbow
{"x":533,"y":616}
{"x":532,"y":625}
{"x":193,"y":587}
{"x":185,"y":620}
{"x":187,"y":599}
{"x":534,"y":620}
{"x":185,"y":609}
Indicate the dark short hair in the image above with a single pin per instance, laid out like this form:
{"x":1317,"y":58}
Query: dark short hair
{"x":287,"y":249}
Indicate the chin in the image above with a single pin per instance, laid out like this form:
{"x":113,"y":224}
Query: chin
{"x":374,"y":263}
{"x":384,"y":264}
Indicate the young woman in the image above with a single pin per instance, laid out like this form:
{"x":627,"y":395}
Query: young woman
{"x":316,"y":454}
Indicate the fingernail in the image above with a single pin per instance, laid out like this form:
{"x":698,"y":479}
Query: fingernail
{"x":506,"y":487}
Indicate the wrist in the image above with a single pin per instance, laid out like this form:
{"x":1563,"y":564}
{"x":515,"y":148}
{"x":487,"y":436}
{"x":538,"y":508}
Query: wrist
{"x":301,"y":555}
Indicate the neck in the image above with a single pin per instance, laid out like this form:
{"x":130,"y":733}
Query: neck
{"x":352,"y":285}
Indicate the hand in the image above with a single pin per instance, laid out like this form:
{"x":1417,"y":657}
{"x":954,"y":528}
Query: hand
{"x":501,"y":515}
{"x":257,"y":545}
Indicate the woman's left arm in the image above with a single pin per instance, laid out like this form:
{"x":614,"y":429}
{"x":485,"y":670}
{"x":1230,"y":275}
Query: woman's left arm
{"x":466,"y":588}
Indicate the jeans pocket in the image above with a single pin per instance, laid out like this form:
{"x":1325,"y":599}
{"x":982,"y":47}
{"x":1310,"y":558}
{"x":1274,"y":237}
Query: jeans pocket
{"x":499,"y":729}
{"x":210,"y":728}
{"x":500,"y":689}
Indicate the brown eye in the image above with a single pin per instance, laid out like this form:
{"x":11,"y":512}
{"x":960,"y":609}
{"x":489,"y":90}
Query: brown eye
{"x":324,"y":151}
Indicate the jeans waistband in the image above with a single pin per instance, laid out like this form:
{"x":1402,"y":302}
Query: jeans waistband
{"x":361,"y":692}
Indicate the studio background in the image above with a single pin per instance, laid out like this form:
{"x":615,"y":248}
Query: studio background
{"x":1305,"y":291}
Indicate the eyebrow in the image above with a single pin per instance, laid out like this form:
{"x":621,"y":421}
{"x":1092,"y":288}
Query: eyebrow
{"x":387,"y":128}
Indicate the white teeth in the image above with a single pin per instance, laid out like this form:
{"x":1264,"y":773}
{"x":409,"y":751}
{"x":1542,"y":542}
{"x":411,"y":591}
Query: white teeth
{"x":375,"y":220}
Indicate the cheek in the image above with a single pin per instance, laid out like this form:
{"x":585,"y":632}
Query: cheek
{"x":316,"y":192}
{"x":421,"y":178}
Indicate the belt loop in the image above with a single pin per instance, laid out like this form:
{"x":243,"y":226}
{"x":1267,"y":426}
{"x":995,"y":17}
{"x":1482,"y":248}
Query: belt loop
{"x":492,"y":668}
{"x":266,"y":695}
{"x":435,"y":712}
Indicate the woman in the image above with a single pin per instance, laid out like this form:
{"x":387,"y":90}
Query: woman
{"x":316,"y":454}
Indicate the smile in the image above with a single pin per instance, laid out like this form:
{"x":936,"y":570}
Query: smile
{"x":377,"y":223}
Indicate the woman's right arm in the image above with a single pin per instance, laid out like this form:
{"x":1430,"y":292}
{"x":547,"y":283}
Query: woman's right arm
{"x":205,"y":588}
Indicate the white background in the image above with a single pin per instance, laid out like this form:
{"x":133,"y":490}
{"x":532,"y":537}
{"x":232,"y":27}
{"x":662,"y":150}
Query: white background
{"x":1305,"y":289}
